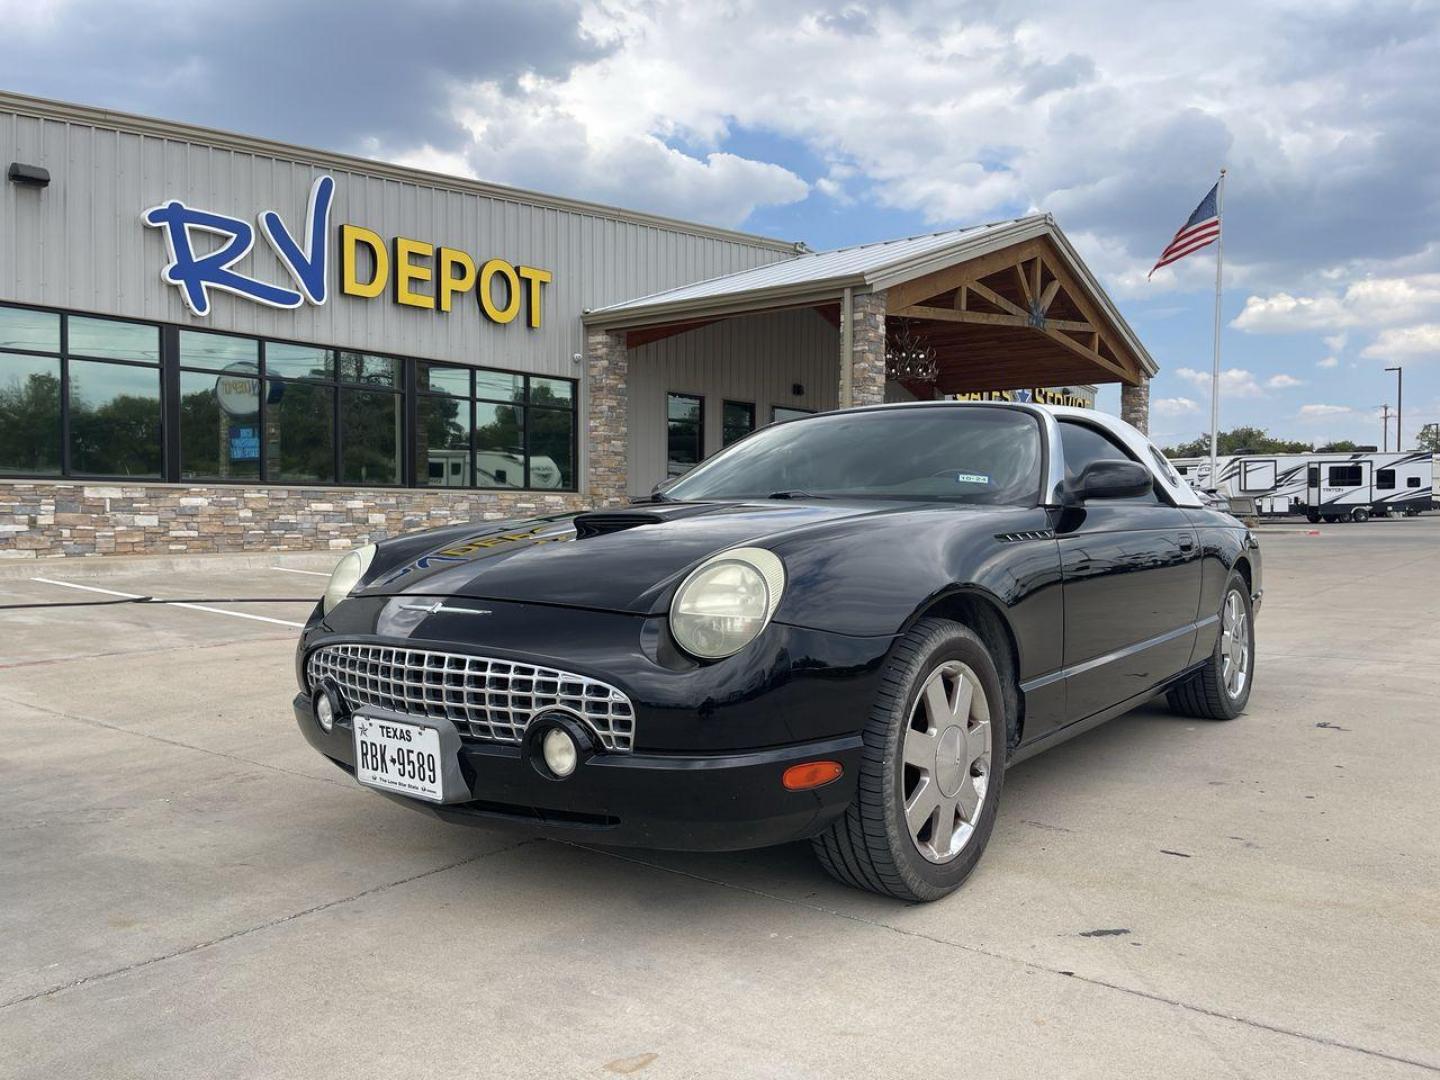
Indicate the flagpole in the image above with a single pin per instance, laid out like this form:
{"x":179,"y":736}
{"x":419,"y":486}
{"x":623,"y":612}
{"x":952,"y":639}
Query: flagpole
{"x":1215,"y":372}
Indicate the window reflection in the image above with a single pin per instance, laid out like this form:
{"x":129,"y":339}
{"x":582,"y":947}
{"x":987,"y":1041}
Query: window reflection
{"x":114,"y":419}
{"x":29,"y":414}
{"x":219,"y":426}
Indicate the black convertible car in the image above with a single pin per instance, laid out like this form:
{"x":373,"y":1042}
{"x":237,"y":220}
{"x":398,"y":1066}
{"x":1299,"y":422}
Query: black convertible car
{"x":842,"y":628}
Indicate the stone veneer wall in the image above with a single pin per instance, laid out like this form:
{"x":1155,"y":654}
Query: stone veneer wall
{"x":43,"y":519}
{"x":1135,"y":405}
{"x":608,"y":419}
{"x":867,"y":345}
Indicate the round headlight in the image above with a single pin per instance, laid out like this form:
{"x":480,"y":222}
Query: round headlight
{"x":347,"y":574}
{"x":726,"y":601}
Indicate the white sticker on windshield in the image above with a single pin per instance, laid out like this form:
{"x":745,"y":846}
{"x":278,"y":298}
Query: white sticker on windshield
{"x":971,"y":478}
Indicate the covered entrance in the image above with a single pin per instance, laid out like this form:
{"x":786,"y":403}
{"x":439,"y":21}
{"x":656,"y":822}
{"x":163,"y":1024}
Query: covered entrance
{"x":995,"y":307}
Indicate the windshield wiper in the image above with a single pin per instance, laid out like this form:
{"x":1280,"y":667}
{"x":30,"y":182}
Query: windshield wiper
{"x":797,"y":494}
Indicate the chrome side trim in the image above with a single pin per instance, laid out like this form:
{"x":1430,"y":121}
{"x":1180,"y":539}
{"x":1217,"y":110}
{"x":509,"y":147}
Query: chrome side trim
{"x":1118,"y":654}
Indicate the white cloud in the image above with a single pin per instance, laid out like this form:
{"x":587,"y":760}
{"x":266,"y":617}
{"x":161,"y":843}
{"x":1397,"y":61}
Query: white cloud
{"x":1234,"y":382}
{"x":1407,"y":343}
{"x":1283,"y":382}
{"x":548,"y":139}
{"x":1312,"y":412}
{"x":1328,"y":362}
{"x":1336,"y":342}
{"x":1369,"y":302}
{"x":1174,"y":406}
{"x":1285,"y":314}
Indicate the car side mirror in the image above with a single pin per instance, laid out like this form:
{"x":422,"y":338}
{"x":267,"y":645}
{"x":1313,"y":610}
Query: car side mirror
{"x":664,"y":485}
{"x":1113,"y":480}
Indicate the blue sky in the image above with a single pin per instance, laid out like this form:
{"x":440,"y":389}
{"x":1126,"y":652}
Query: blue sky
{"x":843,"y":123}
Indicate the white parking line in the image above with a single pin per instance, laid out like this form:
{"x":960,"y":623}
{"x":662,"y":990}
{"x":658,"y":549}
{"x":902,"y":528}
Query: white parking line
{"x":193,"y":607}
{"x":292,"y":570}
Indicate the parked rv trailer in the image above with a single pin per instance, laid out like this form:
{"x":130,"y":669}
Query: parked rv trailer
{"x":1329,"y":487}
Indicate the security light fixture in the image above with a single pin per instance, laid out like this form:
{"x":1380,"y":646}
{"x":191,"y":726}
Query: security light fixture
{"x":29,"y":175}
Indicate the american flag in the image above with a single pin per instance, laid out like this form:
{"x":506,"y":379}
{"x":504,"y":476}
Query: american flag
{"x":1203,"y":228}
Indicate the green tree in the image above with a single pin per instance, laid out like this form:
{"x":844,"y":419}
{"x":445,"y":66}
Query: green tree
{"x":1341,"y":446}
{"x":1253,"y":439}
{"x":30,"y":424}
{"x":1429,"y":439}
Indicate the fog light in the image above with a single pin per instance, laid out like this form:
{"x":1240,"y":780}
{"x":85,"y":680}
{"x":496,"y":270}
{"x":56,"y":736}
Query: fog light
{"x":324,"y":710}
{"x":561,"y":755}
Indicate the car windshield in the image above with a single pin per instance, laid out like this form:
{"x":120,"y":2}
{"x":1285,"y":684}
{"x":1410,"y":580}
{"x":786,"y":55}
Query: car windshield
{"x":968,"y":454}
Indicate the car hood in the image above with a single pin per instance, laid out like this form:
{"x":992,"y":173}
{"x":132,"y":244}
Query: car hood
{"x":613,"y":560}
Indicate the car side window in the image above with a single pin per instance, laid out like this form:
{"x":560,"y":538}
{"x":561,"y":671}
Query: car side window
{"x":1083,"y":444}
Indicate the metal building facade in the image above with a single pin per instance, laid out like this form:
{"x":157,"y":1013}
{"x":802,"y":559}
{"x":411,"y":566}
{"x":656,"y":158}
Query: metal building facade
{"x":80,"y":243}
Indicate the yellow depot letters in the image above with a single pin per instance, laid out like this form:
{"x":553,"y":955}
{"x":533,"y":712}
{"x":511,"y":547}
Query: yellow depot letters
{"x":432,"y":277}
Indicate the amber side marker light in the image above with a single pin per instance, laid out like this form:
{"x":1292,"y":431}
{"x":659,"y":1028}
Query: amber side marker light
{"x":812,"y":774}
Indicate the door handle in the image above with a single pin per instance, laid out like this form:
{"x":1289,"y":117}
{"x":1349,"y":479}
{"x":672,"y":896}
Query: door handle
{"x":1187,"y":543}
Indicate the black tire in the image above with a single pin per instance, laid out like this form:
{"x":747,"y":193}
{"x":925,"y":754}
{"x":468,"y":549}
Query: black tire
{"x":1204,"y":694}
{"x":1360,"y":513}
{"x":1313,"y":518}
{"x":870,"y":846}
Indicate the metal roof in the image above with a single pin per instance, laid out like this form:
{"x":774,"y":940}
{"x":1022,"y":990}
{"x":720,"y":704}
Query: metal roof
{"x":821,"y":276}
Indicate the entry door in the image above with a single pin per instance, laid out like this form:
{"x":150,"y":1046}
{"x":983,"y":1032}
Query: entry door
{"x":1131,"y":581}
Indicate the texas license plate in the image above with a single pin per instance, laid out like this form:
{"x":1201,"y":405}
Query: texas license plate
{"x":398,"y":757}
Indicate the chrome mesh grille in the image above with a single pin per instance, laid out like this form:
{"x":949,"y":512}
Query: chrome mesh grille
{"x":486,"y":699}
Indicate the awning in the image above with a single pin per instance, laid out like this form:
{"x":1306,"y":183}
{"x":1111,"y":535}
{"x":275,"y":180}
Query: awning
{"x":1000,"y":305}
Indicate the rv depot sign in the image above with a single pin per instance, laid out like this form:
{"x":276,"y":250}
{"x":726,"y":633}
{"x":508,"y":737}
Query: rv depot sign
{"x":417,"y":273}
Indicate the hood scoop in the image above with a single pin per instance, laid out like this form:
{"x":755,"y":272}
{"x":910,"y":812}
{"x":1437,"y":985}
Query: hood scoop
{"x":598,"y":523}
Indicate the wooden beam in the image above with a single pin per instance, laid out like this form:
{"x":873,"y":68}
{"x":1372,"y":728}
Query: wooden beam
{"x":940,"y":314}
{"x":1047,"y":295}
{"x":1024,"y":284}
{"x":962,"y":298}
{"x":1133,"y":374}
{"x":943,"y":281}
{"x":1072,"y":325}
{"x":1060,"y":337}
{"x":998,"y":300}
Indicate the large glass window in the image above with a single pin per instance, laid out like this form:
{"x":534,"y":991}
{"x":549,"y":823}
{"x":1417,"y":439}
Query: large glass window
{"x":113,"y":339}
{"x":299,"y":432}
{"x":30,"y":392}
{"x":193,"y":405}
{"x":369,"y":437}
{"x":736,"y":421}
{"x":219,"y":407}
{"x":513,"y":431}
{"x":29,"y":414}
{"x":115,"y":420}
{"x":25,"y":328}
{"x":442,"y":426}
{"x":685,"y":433}
{"x":219,"y":425}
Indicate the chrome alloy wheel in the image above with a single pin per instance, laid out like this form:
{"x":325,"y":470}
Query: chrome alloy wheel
{"x":946,"y":761}
{"x":1234,"y":644}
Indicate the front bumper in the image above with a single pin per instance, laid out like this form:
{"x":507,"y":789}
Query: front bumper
{"x":680,"y":801}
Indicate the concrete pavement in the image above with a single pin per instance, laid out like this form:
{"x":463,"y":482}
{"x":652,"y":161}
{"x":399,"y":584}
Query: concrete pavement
{"x":188,"y":890}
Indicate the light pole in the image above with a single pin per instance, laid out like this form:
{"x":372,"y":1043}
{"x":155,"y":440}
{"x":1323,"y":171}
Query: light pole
{"x":1399,"y":402}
